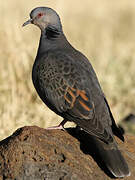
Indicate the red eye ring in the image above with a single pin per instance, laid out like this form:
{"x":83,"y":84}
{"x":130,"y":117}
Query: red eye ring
{"x":40,"y":14}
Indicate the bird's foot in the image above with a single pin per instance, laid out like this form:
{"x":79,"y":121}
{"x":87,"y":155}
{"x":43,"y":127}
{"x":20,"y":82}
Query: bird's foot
{"x":60,"y":126}
{"x":55,"y":127}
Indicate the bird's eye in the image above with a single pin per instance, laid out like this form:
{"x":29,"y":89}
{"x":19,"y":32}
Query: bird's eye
{"x":40,"y":14}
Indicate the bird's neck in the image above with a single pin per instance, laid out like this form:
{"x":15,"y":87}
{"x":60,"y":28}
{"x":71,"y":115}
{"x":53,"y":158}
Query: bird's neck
{"x":51,"y":33}
{"x":51,"y":39}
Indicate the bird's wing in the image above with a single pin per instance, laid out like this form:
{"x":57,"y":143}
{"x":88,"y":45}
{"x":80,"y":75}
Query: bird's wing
{"x":67,"y":87}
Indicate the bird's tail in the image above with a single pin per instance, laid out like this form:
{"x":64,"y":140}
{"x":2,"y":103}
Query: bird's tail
{"x":112,"y":158}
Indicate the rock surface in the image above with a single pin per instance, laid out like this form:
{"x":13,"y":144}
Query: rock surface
{"x":33,"y":153}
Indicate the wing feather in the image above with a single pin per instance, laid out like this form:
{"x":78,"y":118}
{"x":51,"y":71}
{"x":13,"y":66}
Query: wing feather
{"x":71,"y":92}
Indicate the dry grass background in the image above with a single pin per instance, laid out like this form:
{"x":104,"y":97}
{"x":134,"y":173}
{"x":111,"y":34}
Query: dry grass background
{"x":103,"y":30}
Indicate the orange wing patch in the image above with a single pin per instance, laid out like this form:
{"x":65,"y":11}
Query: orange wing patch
{"x":72,"y":95}
{"x":84,"y":105}
{"x":83,"y":95}
{"x":68,"y":100}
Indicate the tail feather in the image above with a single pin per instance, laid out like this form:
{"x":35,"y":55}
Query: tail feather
{"x":116,"y":129}
{"x":112,"y":158}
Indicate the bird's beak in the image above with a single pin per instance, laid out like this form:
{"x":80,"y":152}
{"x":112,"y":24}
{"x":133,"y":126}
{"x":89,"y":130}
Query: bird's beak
{"x":27,"y":22}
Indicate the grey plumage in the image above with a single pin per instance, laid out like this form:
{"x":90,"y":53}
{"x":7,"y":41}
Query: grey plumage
{"x":67,"y":84}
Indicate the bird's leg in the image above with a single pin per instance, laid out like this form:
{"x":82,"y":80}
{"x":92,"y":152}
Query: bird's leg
{"x":60,"y":126}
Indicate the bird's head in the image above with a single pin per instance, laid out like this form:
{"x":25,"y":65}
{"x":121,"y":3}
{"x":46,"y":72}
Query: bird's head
{"x":44,"y":17}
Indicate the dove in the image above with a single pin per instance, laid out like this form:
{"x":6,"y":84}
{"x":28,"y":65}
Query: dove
{"x":66,"y":82}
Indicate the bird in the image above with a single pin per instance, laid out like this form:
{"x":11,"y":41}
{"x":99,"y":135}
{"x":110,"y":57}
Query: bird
{"x":67,"y":83}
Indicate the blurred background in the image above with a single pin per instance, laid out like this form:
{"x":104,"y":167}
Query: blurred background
{"x":103,"y":30}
